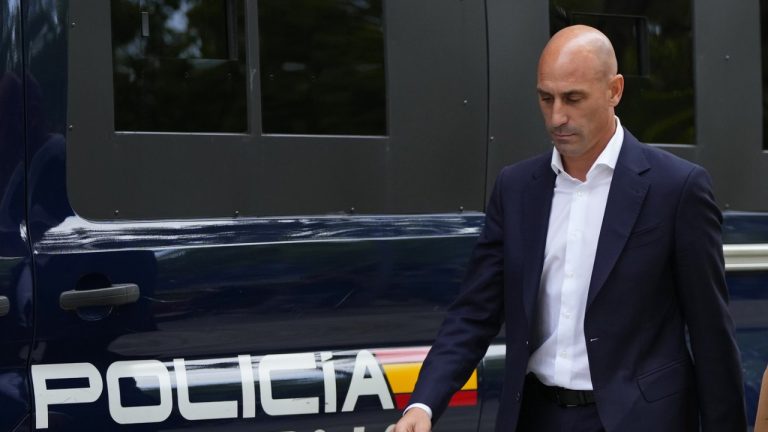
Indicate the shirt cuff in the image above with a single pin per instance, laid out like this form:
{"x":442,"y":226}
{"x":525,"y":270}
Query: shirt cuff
{"x":423,"y":407}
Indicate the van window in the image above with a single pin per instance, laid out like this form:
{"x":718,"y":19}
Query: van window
{"x":654,"y":45}
{"x":188,"y":109}
{"x":322,"y":67}
{"x":179,"y":66}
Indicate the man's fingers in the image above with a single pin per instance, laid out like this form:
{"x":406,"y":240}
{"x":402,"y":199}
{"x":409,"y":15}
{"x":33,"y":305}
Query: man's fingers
{"x":415,"y":420}
{"x":423,"y":426}
{"x":413,"y":426}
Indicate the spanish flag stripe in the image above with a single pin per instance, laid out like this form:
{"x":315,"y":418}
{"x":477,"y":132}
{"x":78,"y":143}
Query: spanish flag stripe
{"x":471,"y":383}
{"x":401,"y":355}
{"x":401,"y":400}
{"x":461,"y":398}
{"x":464,"y":398}
{"x":402,"y":377}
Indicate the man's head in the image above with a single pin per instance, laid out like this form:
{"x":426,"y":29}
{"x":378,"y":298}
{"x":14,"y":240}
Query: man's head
{"x":579,"y":86}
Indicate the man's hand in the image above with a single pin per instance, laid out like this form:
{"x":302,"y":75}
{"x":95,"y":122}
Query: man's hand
{"x":415,"y":420}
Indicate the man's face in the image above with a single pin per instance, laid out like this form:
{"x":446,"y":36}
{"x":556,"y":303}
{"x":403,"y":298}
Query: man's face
{"x":577,"y":99}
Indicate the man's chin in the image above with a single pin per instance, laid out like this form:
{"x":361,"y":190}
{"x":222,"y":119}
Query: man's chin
{"x":564,"y":145}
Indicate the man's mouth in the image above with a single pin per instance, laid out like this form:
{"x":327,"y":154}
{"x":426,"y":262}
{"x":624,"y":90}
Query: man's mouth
{"x":560,"y":136}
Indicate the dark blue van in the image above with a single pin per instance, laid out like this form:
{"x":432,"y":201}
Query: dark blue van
{"x":252,"y":214}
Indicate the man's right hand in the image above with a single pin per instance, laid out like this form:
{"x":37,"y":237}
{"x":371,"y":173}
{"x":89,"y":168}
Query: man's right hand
{"x":415,"y":420}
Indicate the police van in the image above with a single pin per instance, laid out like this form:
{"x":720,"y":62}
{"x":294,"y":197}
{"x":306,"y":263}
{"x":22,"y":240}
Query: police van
{"x":252,"y":214}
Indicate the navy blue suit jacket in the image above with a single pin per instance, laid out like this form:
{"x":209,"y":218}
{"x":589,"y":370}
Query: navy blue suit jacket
{"x":658,"y":270}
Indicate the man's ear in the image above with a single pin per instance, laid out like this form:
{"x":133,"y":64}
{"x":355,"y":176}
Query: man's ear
{"x":616,"y":87}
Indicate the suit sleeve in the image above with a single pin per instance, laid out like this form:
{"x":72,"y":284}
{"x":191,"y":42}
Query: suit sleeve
{"x":473,"y":319}
{"x":700,"y":275}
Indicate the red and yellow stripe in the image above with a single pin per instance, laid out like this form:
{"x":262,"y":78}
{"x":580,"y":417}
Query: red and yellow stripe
{"x":402,"y":366}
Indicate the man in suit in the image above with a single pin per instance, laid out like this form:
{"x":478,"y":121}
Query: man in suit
{"x":600,"y":258}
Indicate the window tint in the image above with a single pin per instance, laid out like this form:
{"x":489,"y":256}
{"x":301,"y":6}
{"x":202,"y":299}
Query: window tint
{"x":322,"y":67}
{"x":179,"y":65}
{"x":764,"y":47}
{"x":339,"y":140}
{"x":653,"y":40}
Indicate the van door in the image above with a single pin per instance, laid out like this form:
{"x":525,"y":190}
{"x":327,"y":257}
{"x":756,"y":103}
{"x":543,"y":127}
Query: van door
{"x":15,"y":269}
{"x":182,"y":306}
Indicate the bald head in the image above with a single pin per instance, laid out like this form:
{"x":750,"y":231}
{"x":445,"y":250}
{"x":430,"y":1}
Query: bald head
{"x":579,"y":87}
{"x":581,"y":45}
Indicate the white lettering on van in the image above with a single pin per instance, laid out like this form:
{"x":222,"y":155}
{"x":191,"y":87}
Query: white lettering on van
{"x":45,"y":397}
{"x":136,"y":370}
{"x":283,"y":362}
{"x":375,"y":385}
{"x":367,"y":379}
{"x":199,"y":410}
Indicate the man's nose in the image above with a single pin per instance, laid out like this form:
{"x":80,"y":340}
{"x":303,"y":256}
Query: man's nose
{"x":558,"y":115}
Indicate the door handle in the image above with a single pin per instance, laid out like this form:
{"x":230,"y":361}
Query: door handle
{"x":5,"y":306}
{"x":111,"y":296}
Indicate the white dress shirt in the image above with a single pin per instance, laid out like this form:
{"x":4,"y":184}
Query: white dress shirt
{"x":560,"y":349}
{"x":560,"y":358}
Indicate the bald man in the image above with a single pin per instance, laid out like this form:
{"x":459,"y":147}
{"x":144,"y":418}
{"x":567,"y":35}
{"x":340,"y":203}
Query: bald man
{"x":600,"y":257}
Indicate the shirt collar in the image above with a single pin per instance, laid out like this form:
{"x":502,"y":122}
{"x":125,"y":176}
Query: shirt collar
{"x":608,"y":157}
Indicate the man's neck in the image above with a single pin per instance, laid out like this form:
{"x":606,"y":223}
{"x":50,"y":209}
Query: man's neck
{"x":578,"y":166}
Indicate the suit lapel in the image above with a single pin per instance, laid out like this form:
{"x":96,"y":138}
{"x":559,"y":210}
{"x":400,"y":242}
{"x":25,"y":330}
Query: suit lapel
{"x":625,"y":199}
{"x":537,"y":203}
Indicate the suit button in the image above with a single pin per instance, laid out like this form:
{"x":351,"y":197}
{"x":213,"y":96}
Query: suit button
{"x":517,"y":397}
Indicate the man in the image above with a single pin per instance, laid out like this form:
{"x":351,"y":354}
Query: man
{"x":597,"y":257}
{"x":761,"y":420}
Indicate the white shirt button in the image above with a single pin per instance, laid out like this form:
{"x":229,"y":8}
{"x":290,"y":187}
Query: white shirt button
{"x":560,"y":349}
